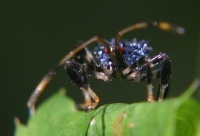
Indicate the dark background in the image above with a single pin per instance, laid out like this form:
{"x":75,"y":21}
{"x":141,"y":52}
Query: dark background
{"x":36,"y":35}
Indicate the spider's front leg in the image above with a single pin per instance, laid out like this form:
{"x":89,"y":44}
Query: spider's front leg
{"x":142,"y":71}
{"x":165,"y":73}
{"x":48,"y":77}
{"x":77,"y":74}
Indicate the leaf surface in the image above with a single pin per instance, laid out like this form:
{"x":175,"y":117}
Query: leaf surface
{"x":57,"y":116}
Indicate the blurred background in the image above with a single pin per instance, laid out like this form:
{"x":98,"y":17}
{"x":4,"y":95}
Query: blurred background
{"x":34,"y":36}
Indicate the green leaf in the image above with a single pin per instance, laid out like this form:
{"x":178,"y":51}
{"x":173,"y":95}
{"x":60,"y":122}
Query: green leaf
{"x":58,"y":117}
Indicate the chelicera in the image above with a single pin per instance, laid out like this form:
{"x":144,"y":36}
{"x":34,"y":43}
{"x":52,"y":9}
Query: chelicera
{"x":113,"y":59}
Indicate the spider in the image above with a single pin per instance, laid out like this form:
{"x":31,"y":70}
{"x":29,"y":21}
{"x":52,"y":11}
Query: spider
{"x":113,"y":59}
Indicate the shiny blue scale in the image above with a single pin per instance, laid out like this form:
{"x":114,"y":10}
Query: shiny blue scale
{"x":133,"y":51}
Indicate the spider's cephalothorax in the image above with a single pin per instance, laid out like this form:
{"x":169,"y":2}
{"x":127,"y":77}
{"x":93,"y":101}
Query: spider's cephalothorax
{"x":132,"y":51}
{"x":113,"y":59}
{"x":128,"y":53}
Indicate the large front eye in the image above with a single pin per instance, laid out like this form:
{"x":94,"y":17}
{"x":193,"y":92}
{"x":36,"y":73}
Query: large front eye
{"x":121,"y":49}
{"x":105,"y":51}
{"x":110,"y":65}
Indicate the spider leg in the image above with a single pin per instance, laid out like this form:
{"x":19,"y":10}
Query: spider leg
{"x":144,"y":74}
{"x":90,"y":57}
{"x":164,"y":74}
{"x":77,"y":74}
{"x":116,"y":54}
{"x":155,"y":74}
{"x":85,"y":53}
{"x":165,"y":26}
{"x":150,"y":96}
{"x":47,"y":78}
{"x":100,"y":73}
{"x":92,"y":66}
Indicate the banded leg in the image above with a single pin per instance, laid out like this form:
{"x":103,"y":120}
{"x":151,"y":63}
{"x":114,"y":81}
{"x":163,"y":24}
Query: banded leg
{"x":100,"y":73}
{"x":84,"y":54}
{"x":92,"y":66}
{"x":146,"y":74}
{"x":77,"y":74}
{"x":47,"y":78}
{"x":164,"y":74}
{"x":165,"y":26}
{"x":160,"y":25}
{"x":150,"y":96}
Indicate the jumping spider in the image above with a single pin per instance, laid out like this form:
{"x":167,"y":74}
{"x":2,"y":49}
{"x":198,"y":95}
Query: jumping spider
{"x":113,"y":59}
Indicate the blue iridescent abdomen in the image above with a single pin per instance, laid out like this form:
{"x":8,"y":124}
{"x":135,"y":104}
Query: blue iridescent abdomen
{"x":133,"y":51}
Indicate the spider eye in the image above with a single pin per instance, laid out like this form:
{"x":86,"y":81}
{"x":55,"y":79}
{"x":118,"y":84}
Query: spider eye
{"x":121,"y":49}
{"x":105,"y":50}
